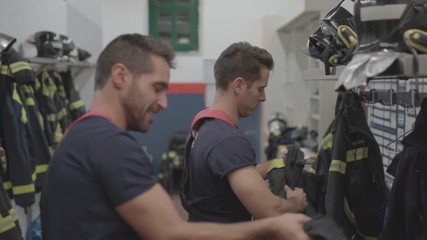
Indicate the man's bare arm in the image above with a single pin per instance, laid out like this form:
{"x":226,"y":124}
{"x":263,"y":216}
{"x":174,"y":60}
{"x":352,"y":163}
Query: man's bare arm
{"x":252,"y":191}
{"x":153,"y":216}
{"x":262,"y":168}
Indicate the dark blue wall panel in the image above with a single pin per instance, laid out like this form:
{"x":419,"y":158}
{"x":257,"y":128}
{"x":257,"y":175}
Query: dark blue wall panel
{"x":178,"y":116}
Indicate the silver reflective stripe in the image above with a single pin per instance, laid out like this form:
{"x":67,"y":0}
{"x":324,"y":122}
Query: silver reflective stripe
{"x":386,"y":12}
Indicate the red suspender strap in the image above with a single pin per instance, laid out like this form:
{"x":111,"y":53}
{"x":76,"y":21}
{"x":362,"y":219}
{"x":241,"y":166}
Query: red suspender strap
{"x":211,"y":113}
{"x":88,"y":115}
{"x":206,"y":113}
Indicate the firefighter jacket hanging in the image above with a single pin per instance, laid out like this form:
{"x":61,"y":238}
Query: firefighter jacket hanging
{"x":354,"y":194}
{"x":407,"y":206}
{"x":9,"y":225}
{"x":286,"y":171}
{"x":34,"y":113}
{"x":53,"y":107}
{"x":76,"y":105}
{"x":59,"y":103}
{"x":15,"y":130}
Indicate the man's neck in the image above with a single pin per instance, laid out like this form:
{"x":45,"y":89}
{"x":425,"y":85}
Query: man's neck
{"x":225,"y":103}
{"x":109,"y":106}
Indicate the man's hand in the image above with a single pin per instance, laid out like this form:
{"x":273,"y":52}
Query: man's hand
{"x":291,"y":227}
{"x":297,"y":197}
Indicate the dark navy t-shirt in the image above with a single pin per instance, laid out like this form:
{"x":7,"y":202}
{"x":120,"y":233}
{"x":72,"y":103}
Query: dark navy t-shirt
{"x":95,"y":168}
{"x":219,"y":148}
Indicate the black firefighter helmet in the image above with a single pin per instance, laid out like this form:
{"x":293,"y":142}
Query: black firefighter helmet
{"x":335,"y":39}
{"x":48,"y":44}
{"x":6,"y":42}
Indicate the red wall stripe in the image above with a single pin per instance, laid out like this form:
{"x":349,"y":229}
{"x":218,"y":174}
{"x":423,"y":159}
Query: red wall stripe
{"x":187,"y":88}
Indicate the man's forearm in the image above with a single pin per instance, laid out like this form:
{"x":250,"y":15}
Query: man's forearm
{"x":283,"y":227}
{"x":262,"y":168}
{"x":237,"y":231}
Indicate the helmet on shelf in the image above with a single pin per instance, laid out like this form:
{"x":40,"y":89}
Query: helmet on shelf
{"x":277,"y":122}
{"x":335,"y":39}
{"x":381,"y":24}
{"x":69,"y":49}
{"x":6,"y":42}
{"x":48,"y":44}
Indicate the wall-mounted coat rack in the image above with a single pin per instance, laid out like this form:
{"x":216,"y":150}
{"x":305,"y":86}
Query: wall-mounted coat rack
{"x":411,"y":98}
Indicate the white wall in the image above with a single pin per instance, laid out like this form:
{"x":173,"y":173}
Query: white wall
{"x":92,"y":24}
{"x":285,"y":35}
{"x":20,"y":18}
{"x":221,"y":23}
{"x":124,"y":16}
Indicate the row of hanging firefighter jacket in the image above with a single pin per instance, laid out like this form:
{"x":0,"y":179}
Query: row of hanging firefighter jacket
{"x":34,"y":113}
{"x":355,"y":193}
{"x":346,"y":182}
{"x":406,"y":214}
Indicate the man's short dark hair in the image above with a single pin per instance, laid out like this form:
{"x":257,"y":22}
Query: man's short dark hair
{"x":241,"y":60}
{"x":134,"y":51}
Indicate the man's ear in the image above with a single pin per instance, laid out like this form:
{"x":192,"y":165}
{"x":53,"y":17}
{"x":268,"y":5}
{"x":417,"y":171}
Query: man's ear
{"x":119,"y":75}
{"x":238,"y":84}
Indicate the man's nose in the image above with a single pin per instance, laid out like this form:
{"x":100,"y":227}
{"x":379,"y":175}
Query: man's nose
{"x":163,"y":101}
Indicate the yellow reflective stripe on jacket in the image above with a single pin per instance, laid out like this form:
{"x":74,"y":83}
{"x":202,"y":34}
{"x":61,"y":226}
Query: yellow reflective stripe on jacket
{"x":58,"y":134}
{"x":45,"y":79}
{"x":338,"y":166}
{"x":311,"y":170}
{"x":52,"y":87}
{"x":15,"y":96}
{"x":12,"y":213}
{"x":22,"y":189}
{"x":19,"y":66}
{"x":14,"y":68}
{"x":6,"y":223}
{"x":5,"y":71}
{"x":276,"y":133}
{"x":327,"y":141}
{"x":41,"y":168}
{"x":29,"y":101}
{"x":172,"y":154}
{"x":7,"y":185}
{"x":357,"y":154}
{"x":62,"y":113}
{"x":276,"y":163}
{"x":77,"y":104}
{"x":51,"y":117}
{"x":26,"y":89}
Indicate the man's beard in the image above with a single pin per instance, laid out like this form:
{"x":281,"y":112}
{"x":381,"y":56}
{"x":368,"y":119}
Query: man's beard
{"x":132,"y":114}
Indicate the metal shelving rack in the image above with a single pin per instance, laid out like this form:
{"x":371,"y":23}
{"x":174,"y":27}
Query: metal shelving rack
{"x":399,"y":91}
